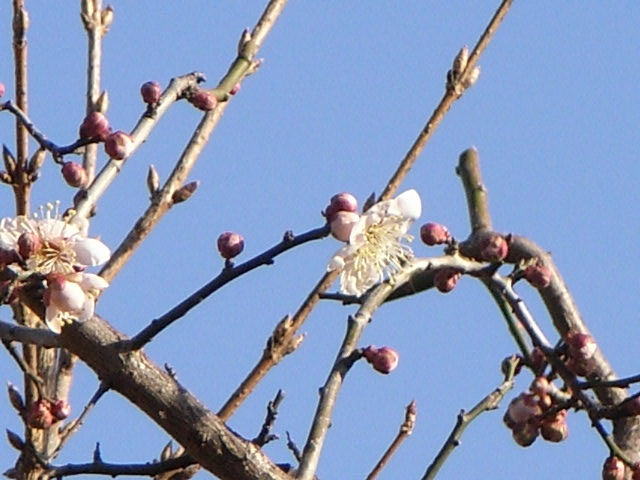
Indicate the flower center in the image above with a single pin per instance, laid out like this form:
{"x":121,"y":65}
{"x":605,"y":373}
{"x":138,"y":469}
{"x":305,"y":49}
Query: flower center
{"x":55,"y":255}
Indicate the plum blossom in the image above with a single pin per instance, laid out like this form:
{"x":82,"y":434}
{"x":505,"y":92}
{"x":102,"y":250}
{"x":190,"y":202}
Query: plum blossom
{"x":375,"y":249}
{"x":60,"y":251}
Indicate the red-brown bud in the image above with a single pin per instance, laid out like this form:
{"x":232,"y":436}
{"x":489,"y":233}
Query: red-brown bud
{"x":230,"y":244}
{"x":446,"y":279}
{"x":150,"y":92}
{"x":538,"y":275}
{"x":15,"y":398}
{"x":525,"y":434}
{"x":383,"y":359}
{"x":118,"y":145}
{"x":636,"y":472}
{"x":203,"y":100}
{"x":15,"y":441}
{"x":537,"y":359}
{"x":341,"y":202}
{"x":39,"y":414}
{"x":235,"y":89}
{"x":95,"y":125}
{"x":540,"y":385}
{"x":555,"y":429}
{"x":630,"y":407}
{"x":185,"y":192}
{"x":28,"y":244}
{"x":74,"y":174}
{"x":582,"y":346}
{"x":613,"y":469}
{"x":494,"y":248}
{"x":434,"y":234}
{"x":8,"y":256}
{"x":1,"y":90}
{"x":60,"y":409}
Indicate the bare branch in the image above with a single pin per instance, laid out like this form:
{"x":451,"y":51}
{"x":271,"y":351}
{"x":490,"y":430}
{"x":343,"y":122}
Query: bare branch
{"x":406,"y":429}
{"x":115,"y":469}
{"x":228,"y":274}
{"x":36,"y":336}
{"x":265,"y":436}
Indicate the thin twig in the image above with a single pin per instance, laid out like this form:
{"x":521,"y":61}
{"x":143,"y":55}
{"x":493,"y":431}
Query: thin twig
{"x":73,"y":426}
{"x":39,"y":383}
{"x":445,"y":104}
{"x":406,"y":429}
{"x":228,"y":274}
{"x":148,"y":469}
{"x":265,"y":436}
{"x":291,"y":445}
{"x":619,"y":383}
{"x":489,"y":402}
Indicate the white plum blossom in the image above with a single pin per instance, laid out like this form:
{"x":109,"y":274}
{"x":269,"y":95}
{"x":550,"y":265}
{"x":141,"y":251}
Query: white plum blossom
{"x":60,"y":251}
{"x":375,"y":249}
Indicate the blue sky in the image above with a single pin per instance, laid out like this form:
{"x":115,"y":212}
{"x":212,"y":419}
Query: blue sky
{"x":343,"y":92}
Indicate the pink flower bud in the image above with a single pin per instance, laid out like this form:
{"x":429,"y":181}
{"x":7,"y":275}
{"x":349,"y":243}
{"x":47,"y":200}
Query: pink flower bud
{"x":203,"y":100}
{"x":383,"y":359}
{"x":494,"y":248}
{"x":39,"y":414}
{"x":525,"y":434}
{"x":1,"y":90}
{"x":95,"y":125}
{"x":74,"y":174}
{"x":555,"y":429}
{"x":28,"y":244}
{"x":235,"y":89}
{"x":538,"y":275}
{"x":342,"y":224}
{"x":540,"y":385}
{"x":446,"y":279}
{"x":230,"y":244}
{"x":581,"y":345}
{"x":434,"y":234}
{"x":613,"y":469}
{"x":60,"y":409}
{"x":118,"y":145}
{"x":150,"y":92}
{"x":341,"y":202}
{"x":522,"y":409}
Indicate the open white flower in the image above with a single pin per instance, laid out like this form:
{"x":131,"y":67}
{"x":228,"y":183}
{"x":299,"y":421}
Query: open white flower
{"x":61,"y":247}
{"x":71,"y":297}
{"x":375,"y":248}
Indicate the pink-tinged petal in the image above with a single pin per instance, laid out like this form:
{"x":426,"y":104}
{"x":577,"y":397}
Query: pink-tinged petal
{"x":336,"y":263}
{"x":52,"y":320}
{"x":91,"y":252}
{"x":407,"y":204}
{"x":87,"y":309}
{"x":91,"y":281}
{"x":69,"y":298}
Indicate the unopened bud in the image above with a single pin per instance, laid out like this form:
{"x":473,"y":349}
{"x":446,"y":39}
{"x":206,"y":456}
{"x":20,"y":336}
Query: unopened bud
{"x":95,"y":125}
{"x":460,"y":62}
{"x":446,"y":279}
{"x":245,"y":38}
{"x":434,"y":234}
{"x":613,"y":469}
{"x":106,"y":17}
{"x":102,"y":104}
{"x":185,"y":192}
{"x":582,"y":346}
{"x":525,"y":434}
{"x":340,"y":202}
{"x":203,"y":100}
{"x":150,"y":92}
{"x":1,"y":90}
{"x":538,"y":275}
{"x":471,"y":78}
{"x":537,"y":359}
{"x":8,"y":256}
{"x":540,"y":385}
{"x":235,"y":89}
{"x":74,"y":174}
{"x":383,"y":359}
{"x":39,"y":414}
{"x":28,"y":244}
{"x":494,"y":248}
{"x":118,"y":145}
{"x":14,"y":440}
{"x":153,"y":180}
{"x":230,"y":244}
{"x":255,"y":65}
{"x":36,"y":160}
{"x":342,"y":224}
{"x":522,"y":409}
{"x":15,"y":398}
{"x":61,"y":409}
{"x":555,"y":429}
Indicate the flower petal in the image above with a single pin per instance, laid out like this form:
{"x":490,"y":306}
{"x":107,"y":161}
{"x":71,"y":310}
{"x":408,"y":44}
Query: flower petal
{"x":92,"y":281}
{"x":409,"y":204}
{"x":86,"y":313}
{"x":91,"y":252}
{"x":52,"y":319}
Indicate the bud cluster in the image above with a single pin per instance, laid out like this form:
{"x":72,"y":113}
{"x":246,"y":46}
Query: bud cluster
{"x":531,"y":414}
{"x":43,"y":413}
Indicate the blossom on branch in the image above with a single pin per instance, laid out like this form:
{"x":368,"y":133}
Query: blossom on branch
{"x":375,"y":248}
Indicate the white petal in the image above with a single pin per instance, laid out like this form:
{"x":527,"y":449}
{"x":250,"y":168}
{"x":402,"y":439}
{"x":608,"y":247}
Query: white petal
{"x":87,"y":309}
{"x":69,"y":299}
{"x":336,"y":263}
{"x":409,"y":204}
{"x":91,"y":252}
{"x":91,"y":281}
{"x":52,"y":320}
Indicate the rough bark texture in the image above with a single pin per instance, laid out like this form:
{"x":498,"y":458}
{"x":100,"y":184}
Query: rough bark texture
{"x":206,"y":438}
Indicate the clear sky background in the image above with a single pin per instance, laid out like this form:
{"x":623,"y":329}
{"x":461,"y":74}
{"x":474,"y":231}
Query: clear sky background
{"x":345,"y":88}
